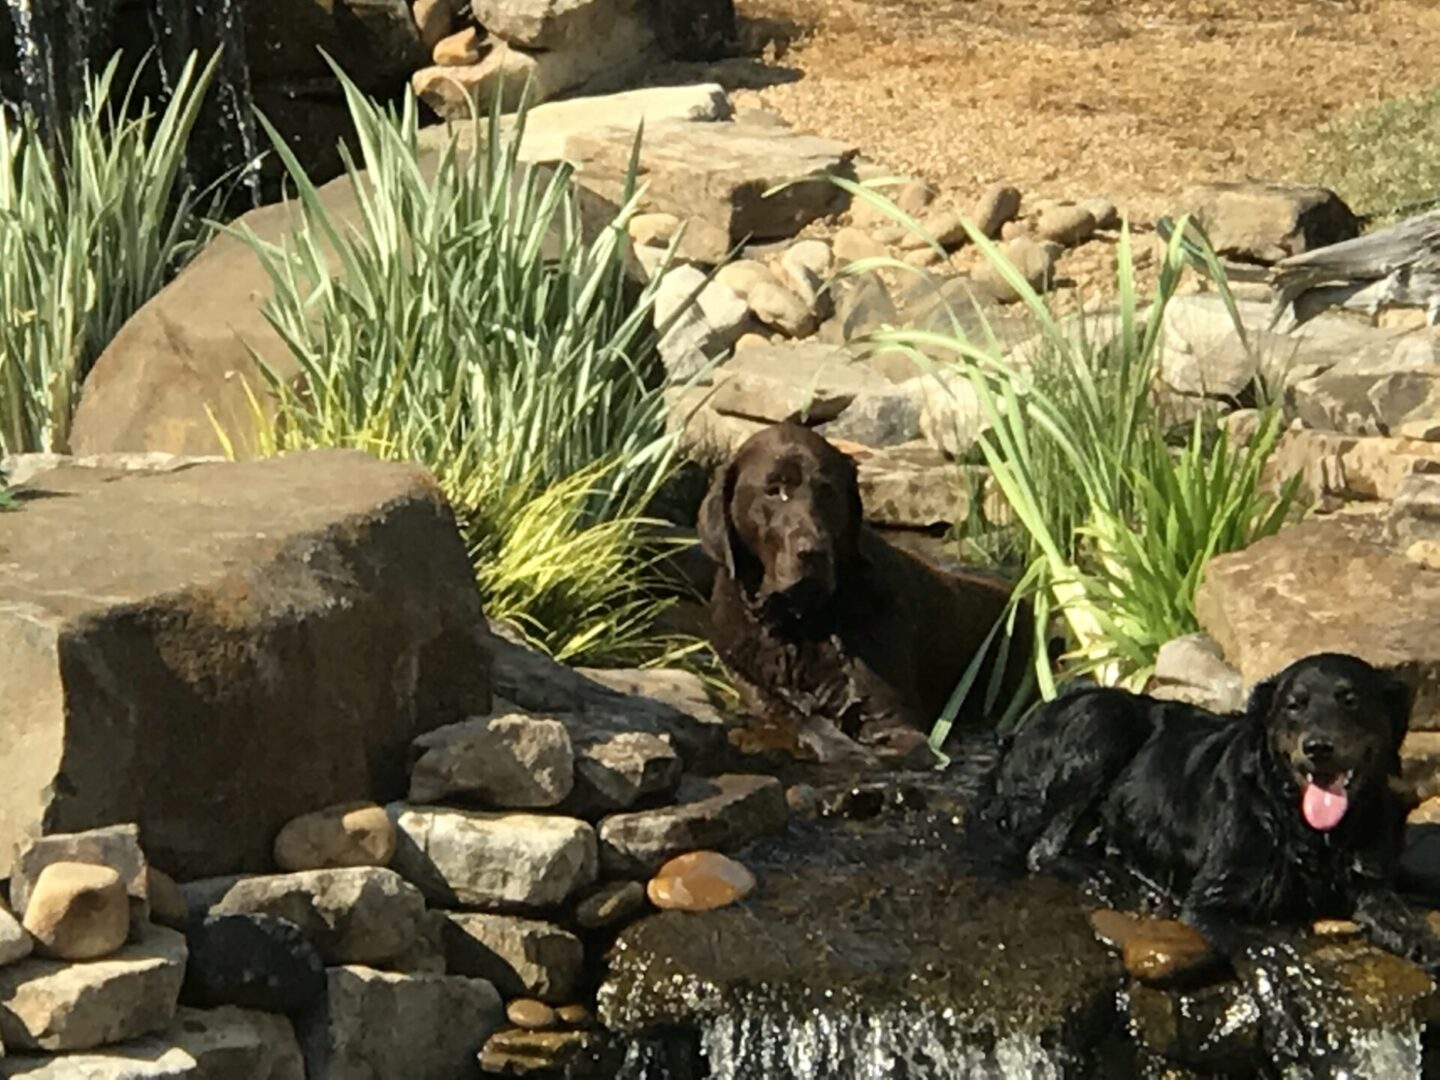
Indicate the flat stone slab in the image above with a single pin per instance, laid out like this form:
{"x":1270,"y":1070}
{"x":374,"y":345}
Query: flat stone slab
{"x":310,"y":614}
{"x":548,"y":126}
{"x":1324,"y":586}
{"x":716,"y":176}
{"x":210,"y":1044}
{"x":51,"y":1005}
{"x":807,"y":382}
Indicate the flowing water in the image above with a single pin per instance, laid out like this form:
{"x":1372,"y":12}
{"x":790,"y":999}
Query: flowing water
{"x":875,"y":949}
{"x":59,"y":42}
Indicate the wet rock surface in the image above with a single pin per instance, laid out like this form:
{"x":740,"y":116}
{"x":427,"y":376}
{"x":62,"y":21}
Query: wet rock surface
{"x":846,"y":956}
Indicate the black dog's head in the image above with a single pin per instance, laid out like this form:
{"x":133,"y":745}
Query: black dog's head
{"x":783,"y":518}
{"x":1335,"y":723}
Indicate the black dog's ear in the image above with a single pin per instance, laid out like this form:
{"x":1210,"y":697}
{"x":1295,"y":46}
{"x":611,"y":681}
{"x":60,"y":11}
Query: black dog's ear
{"x":717,"y":538}
{"x":1262,"y":697}
{"x":1398,"y":699}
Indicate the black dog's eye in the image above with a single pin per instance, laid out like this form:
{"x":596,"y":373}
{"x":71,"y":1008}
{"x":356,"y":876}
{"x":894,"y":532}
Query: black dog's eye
{"x":1296,"y":702}
{"x":1346,"y":698}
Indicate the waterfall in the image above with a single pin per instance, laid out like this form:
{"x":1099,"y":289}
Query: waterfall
{"x":899,"y":1043}
{"x":58,"y":42}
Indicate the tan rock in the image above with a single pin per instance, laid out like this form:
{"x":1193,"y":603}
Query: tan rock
{"x":653,"y":230}
{"x":115,"y":846}
{"x":513,"y":761}
{"x":78,"y":911}
{"x":1066,"y":225}
{"x":167,"y":902}
{"x":743,"y":275}
{"x":1255,"y":220}
{"x":435,"y":20}
{"x":530,"y":1014}
{"x":575,"y":1015}
{"x":16,"y":944}
{"x":995,"y":209}
{"x":350,"y":834}
{"x":778,"y":307}
{"x":852,"y":245}
{"x":1162,"y":951}
{"x":459,"y":49}
{"x":700,"y":881}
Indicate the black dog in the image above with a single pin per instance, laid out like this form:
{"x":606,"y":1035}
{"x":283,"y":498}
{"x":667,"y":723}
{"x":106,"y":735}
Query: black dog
{"x":1285,"y":813}
{"x":821,"y":620}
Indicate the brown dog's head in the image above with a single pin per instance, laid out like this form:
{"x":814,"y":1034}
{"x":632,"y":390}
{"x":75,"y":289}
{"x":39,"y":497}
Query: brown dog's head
{"x":783,"y":518}
{"x":1336,"y":724}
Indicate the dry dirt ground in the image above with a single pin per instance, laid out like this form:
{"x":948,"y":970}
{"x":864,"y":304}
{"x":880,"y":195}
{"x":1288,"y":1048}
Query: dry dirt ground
{"x":1125,"y":99}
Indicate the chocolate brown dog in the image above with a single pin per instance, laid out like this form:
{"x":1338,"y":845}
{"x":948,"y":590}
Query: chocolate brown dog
{"x":821,"y":620}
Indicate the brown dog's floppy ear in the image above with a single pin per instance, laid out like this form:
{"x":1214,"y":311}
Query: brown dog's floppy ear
{"x":851,"y":542}
{"x":716,"y":536}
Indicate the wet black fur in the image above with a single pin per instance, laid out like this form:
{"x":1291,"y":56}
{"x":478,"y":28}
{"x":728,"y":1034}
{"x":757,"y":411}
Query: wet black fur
{"x":1207,"y":807}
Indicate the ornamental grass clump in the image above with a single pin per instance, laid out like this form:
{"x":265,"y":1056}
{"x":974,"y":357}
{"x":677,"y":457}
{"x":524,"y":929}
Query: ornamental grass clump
{"x":465,"y":321}
{"x":1116,"y":524}
{"x":91,"y":227}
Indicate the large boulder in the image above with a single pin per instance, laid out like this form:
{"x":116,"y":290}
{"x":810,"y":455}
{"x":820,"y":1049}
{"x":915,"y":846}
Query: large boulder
{"x":1326,"y":585}
{"x":225,"y":647}
{"x":181,"y":365}
{"x":1256,"y":221}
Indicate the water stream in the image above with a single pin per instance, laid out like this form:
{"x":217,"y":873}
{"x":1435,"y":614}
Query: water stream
{"x":59,"y":42}
{"x":878,"y":950}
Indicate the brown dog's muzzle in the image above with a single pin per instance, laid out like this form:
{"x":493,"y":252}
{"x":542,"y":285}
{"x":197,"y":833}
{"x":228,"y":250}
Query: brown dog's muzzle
{"x":802,"y":571}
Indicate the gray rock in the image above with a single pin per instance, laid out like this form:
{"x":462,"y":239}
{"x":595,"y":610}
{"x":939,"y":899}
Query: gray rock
{"x":951,"y":415}
{"x":361,"y":560}
{"x":50,"y":1005}
{"x":724,"y":814}
{"x":115,"y":846}
{"x":784,"y":382}
{"x":522,"y":957}
{"x":1193,"y":669}
{"x":701,"y":319}
{"x":15,"y":943}
{"x":611,"y":904}
{"x":1103,"y":211}
{"x":1263,"y":222}
{"x":599,"y":704}
{"x":376,"y":1024}
{"x":580,"y":1053}
{"x":362,"y":914}
{"x":617,"y":772}
{"x":426,"y":955}
{"x":1393,"y":384}
{"x":513,"y":761}
{"x":505,"y":861}
{"x":880,"y":418}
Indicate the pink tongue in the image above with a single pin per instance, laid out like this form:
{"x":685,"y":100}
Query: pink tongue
{"x":1323,"y":807}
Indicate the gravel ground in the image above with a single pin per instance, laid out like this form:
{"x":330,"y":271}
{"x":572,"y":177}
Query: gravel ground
{"x":1072,"y":98}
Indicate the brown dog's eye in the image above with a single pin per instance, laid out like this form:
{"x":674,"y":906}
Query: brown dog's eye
{"x":775,"y":491}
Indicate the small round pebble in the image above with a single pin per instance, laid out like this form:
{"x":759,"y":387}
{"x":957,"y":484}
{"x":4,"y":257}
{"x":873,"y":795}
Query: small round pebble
{"x":530,"y":1014}
{"x":575,"y":1015}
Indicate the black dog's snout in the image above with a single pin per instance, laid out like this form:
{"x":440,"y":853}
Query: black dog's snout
{"x":1318,"y":749}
